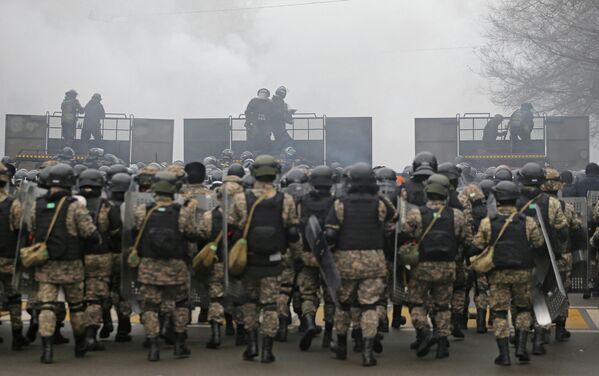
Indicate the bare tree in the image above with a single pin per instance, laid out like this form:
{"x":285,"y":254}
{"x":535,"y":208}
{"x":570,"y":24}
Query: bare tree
{"x":545,"y":52}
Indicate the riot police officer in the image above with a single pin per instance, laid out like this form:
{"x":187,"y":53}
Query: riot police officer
{"x":424,"y":165}
{"x":70,"y":107}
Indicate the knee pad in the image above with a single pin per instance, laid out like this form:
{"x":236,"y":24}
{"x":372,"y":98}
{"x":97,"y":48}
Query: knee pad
{"x":93,"y":302}
{"x":48,"y":306}
{"x":441,"y":308}
{"x":182,"y":304}
{"x":501,"y":314}
{"x":368,"y":307}
{"x":269,"y":307}
{"x":152,"y":307}
{"x":76,"y":307}
{"x":217,"y":300}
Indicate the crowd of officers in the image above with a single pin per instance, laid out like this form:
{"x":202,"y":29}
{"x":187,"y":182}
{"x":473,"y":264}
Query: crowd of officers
{"x":363,"y":219}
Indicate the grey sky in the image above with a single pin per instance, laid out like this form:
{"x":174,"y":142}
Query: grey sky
{"x":393,"y":60}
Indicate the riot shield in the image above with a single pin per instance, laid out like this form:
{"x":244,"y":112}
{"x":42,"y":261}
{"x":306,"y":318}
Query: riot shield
{"x":388,"y":189}
{"x":549,"y":296}
{"x":399,"y":294}
{"x":592,"y":268}
{"x":129,"y":286}
{"x":297,"y":190}
{"x":491,"y":206}
{"x":581,"y":278}
{"x":23,"y":279}
{"x":326,"y":262}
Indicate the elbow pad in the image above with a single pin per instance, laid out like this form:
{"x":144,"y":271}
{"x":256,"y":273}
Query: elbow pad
{"x":293,"y":234}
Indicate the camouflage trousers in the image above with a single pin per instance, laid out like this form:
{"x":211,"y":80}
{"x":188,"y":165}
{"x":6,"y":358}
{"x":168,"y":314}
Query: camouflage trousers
{"x":13,"y":298}
{"x":153,"y":296}
{"x":122,"y":306}
{"x":98,"y":269}
{"x":458,"y":298}
{"x":47,"y":295}
{"x":510,"y":288}
{"x":363,"y":293}
{"x":480,"y":284}
{"x":434,"y":280}
{"x":216,"y":291}
{"x":310,"y":283}
{"x":261,"y":295}
{"x":287,"y":280}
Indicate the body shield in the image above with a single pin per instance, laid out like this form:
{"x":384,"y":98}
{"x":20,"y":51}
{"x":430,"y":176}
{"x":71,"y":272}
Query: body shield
{"x":321,"y":251}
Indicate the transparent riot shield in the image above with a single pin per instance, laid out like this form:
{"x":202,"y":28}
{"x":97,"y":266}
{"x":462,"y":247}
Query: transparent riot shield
{"x":297,"y":190}
{"x":23,"y":279}
{"x":592,"y":268}
{"x":581,"y":278}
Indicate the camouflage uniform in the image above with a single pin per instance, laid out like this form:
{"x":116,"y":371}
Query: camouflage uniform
{"x":165,"y":279}
{"x":434,"y":277}
{"x":261,"y":292}
{"x":510,"y":286}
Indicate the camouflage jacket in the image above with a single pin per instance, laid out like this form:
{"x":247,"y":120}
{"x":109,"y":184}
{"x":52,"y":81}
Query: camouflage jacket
{"x":470,"y":194}
{"x":6,"y":263}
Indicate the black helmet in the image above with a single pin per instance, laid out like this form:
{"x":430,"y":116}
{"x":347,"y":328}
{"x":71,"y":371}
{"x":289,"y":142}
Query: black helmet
{"x":531,"y":174}
{"x":450,"y":170}
{"x":33,"y":174}
{"x":104,"y":169}
{"x":385,"y":174}
{"x":227,"y":154}
{"x":248,"y":181}
{"x":61,"y":175}
{"x":295,"y":175}
{"x":79,"y":168}
{"x":506,"y":191}
{"x":265,"y":166}
{"x":120,"y":182}
{"x":425,"y":163}
{"x":110,"y":159}
{"x":42,"y":178}
{"x":116,"y":169}
{"x":503,"y":174}
{"x":486,"y":185}
{"x":361,"y":176}
{"x":196,"y":172}
{"x":490,"y":173}
{"x":437,"y":184}
{"x":91,"y":178}
{"x":246,"y":155}
{"x":165,"y":182}
{"x":236,"y":170}
{"x":321,"y":176}
{"x":215,"y":175}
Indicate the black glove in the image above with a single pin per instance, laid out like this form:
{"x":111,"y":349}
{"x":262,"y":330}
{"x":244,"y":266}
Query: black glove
{"x":330,"y":235}
{"x":293,"y":234}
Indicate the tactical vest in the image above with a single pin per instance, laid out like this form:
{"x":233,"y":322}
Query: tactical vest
{"x":61,"y":245}
{"x":512,"y":251}
{"x":267,"y":239}
{"x":8,"y":238}
{"x":217,"y":226}
{"x":161,"y":238}
{"x":454,"y":201}
{"x":314,"y":205}
{"x":361,"y":228}
{"x":542,"y":201}
{"x":416,"y":194}
{"x":479,"y":212}
{"x":440,"y":244}
{"x":94,"y":205}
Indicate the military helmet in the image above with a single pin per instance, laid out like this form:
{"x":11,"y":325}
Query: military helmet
{"x":385,"y":174}
{"x":97,"y":96}
{"x":486,"y":185}
{"x":321,"y":176}
{"x":437,"y":184}
{"x":361,"y":175}
{"x":506,"y":191}
{"x":227,"y":154}
{"x":91,"y":178}
{"x":290,"y":152}
{"x":96,"y":152}
{"x":295,"y":175}
{"x":116,"y":169}
{"x":248,"y":181}
{"x":4,"y":173}
{"x":450,"y":170}
{"x":531,"y":174}
{"x":196,"y":172}
{"x":42,"y":178}
{"x":67,"y":152}
{"x":236,"y":170}
{"x":110,"y":159}
{"x":215,"y":175}
{"x":165,"y":182}
{"x":552,"y":181}
{"x":503,"y":174}
{"x":425,"y":163}
{"x":490,"y":173}
{"x":265,"y":165}
{"x":61,"y":175}
{"x":104,"y":169}
{"x":210,"y":160}
{"x":72,"y":93}
{"x":246,"y":155}
{"x":248,"y":163}
{"x":33,"y":174}
{"x":21,"y":175}
{"x":79,"y":168}
{"x":120,"y":182}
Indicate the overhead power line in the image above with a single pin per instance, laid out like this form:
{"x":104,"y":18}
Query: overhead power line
{"x":256,"y":7}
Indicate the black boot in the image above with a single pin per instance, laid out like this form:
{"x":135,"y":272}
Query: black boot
{"x":18,"y":340}
{"x":491,"y":318}
{"x":229,"y":327}
{"x":302,"y":325}
{"x":481,"y":324}
{"x":456,"y":325}
{"x":282,"y":331}
{"x":181,"y":350}
{"x":251,"y":350}
{"x":328,"y":335}
{"x":123,"y":330}
{"x":90,"y":339}
{"x":384,"y":325}
{"x":306,"y":340}
{"x":107,"y":327}
{"x":514,"y":338}
{"x":154,"y":352}
{"x":428,"y":341}
{"x":398,"y":319}
{"x":538,"y":348}
{"x":504,"y":352}
{"x":368,"y":359}
{"x":414,"y":345}
{"x":356,"y":335}
{"x":167,"y":331}
{"x":80,"y":345}
{"x":47,"y":351}
{"x":33,"y":325}
{"x":341,"y":347}
{"x":58,"y":338}
{"x":521,"y":349}
{"x":240,"y":335}
{"x":442,"y":348}
{"x":215,"y":339}
{"x":267,"y":356}
{"x":203,"y":316}
{"x":377,"y":347}
{"x":561,"y":334}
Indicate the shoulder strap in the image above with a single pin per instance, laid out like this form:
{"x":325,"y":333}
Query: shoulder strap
{"x":246,"y":229}
{"x":143,"y":224}
{"x":504,"y":227}
{"x":436,"y":216}
{"x":522,"y":209}
{"x":54,"y":218}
